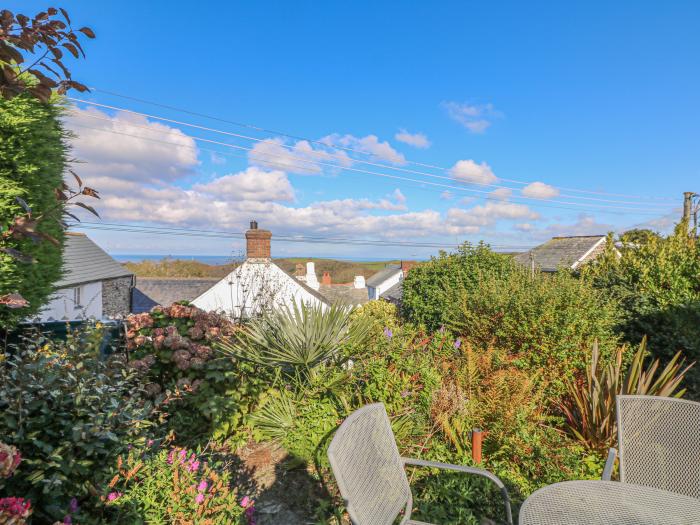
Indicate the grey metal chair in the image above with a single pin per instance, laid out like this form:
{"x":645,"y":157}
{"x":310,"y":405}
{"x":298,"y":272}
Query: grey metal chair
{"x":659,"y":443}
{"x":370,"y":472}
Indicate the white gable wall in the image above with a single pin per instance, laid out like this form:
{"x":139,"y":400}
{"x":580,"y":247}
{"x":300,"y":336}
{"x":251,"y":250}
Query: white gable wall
{"x":62,"y":307}
{"x":374,"y":292}
{"x":252,"y":287}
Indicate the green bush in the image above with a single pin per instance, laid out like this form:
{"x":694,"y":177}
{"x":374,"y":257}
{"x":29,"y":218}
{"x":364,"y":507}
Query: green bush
{"x":33,"y":151}
{"x":430,"y":291}
{"x":658,"y":286}
{"x":70,"y":414}
{"x":208,"y":396}
{"x":547,"y":322}
{"x":173,"y":485}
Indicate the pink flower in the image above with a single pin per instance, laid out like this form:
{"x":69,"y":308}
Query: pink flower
{"x":199,"y":498}
{"x":150,"y":442}
{"x":73,"y":507}
{"x":193,"y":466}
{"x":67,"y":520}
{"x":202,"y":486}
{"x":171,"y":457}
{"x":245,"y":502}
{"x":182,"y":455}
{"x":112,"y":496}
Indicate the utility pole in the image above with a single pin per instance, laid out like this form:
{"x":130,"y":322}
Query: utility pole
{"x":690,"y":215}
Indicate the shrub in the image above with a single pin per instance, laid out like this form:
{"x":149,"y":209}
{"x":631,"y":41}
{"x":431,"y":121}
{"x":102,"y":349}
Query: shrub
{"x":173,"y":485}
{"x":590,"y":408}
{"x":545,"y":321}
{"x":295,"y":341}
{"x":70,"y":414}
{"x":172,"y":346}
{"x":430,"y":290}
{"x":33,"y":152}
{"x":658,"y":285}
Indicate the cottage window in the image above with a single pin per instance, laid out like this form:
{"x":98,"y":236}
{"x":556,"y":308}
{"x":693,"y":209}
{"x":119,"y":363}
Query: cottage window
{"x":76,"y":297}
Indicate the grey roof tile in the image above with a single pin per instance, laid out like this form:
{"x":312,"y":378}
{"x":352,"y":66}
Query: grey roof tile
{"x":559,"y":252}
{"x":168,"y":291}
{"x":382,"y":275}
{"x":345,"y":294}
{"x":84,"y":261}
{"x":394,"y":294}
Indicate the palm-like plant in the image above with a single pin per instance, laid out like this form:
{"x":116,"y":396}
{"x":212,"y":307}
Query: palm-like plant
{"x":589,"y":408}
{"x":297,"y":340}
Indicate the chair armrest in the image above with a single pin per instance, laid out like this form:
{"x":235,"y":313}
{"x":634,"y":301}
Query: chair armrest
{"x":467,"y":470}
{"x":609,"y":464}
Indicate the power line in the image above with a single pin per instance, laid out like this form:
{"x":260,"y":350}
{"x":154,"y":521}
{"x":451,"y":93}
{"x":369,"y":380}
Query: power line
{"x":189,"y":232}
{"x":327,"y":155}
{"x":600,"y":208}
{"x":345,"y":148}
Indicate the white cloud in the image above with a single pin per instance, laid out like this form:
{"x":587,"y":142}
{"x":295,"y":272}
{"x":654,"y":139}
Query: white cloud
{"x":476,"y":118}
{"x":251,"y":184}
{"x":446,"y":195}
{"x":470,"y":171}
{"x":524,"y":227}
{"x":417,"y":140}
{"x":540,"y":190}
{"x":369,"y":144}
{"x":489,"y":213}
{"x":584,"y":225}
{"x":130,"y":147}
{"x":501,"y":194}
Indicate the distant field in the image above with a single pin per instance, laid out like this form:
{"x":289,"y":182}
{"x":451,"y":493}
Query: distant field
{"x":341,"y":271}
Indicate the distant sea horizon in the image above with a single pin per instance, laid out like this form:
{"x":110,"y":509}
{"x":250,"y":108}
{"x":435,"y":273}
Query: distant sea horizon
{"x":225,"y":259}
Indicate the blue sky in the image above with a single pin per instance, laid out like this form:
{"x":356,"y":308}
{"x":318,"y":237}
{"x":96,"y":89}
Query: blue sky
{"x":593,"y":96}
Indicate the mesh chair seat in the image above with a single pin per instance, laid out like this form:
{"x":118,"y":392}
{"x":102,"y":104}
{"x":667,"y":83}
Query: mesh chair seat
{"x":370,"y":472}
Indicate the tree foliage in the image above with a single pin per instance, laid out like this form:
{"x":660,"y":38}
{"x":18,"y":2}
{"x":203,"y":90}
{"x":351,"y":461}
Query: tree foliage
{"x":32,"y":53}
{"x":430,"y":290}
{"x":32,"y":161}
{"x":658,"y":286}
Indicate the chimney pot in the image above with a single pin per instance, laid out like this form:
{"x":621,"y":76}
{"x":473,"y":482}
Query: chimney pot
{"x":326,"y":279}
{"x":253,"y":225}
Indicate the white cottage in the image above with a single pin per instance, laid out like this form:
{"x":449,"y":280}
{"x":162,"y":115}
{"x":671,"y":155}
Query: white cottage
{"x":93,"y":286}
{"x":257,"y":284}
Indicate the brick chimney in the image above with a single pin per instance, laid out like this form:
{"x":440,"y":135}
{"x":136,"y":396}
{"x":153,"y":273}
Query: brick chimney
{"x":257,"y":242}
{"x":300,"y":271}
{"x":326,"y":279}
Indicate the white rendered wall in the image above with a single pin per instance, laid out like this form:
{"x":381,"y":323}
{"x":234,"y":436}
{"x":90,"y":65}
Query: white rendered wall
{"x":61,"y":306}
{"x":253,"y":287}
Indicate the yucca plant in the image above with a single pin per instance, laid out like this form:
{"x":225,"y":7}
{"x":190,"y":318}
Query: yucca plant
{"x":297,"y":340}
{"x":589,"y":408}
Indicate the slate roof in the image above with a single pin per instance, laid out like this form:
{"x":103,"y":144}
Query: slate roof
{"x":345,"y":294}
{"x":305,"y":286}
{"x":166,"y":291}
{"x":382,"y":275}
{"x":393,"y":294}
{"x":140,"y":302}
{"x":84,"y":262}
{"x":562,"y":252}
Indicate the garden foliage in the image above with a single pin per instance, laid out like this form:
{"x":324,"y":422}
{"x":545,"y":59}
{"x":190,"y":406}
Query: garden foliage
{"x":589,"y":406}
{"x":70,"y":413}
{"x":173,"y":485}
{"x":547,"y":322}
{"x":657,"y":283}
{"x":209,"y":396}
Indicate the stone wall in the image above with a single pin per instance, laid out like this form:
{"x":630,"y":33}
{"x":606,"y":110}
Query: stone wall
{"x":116,"y":297}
